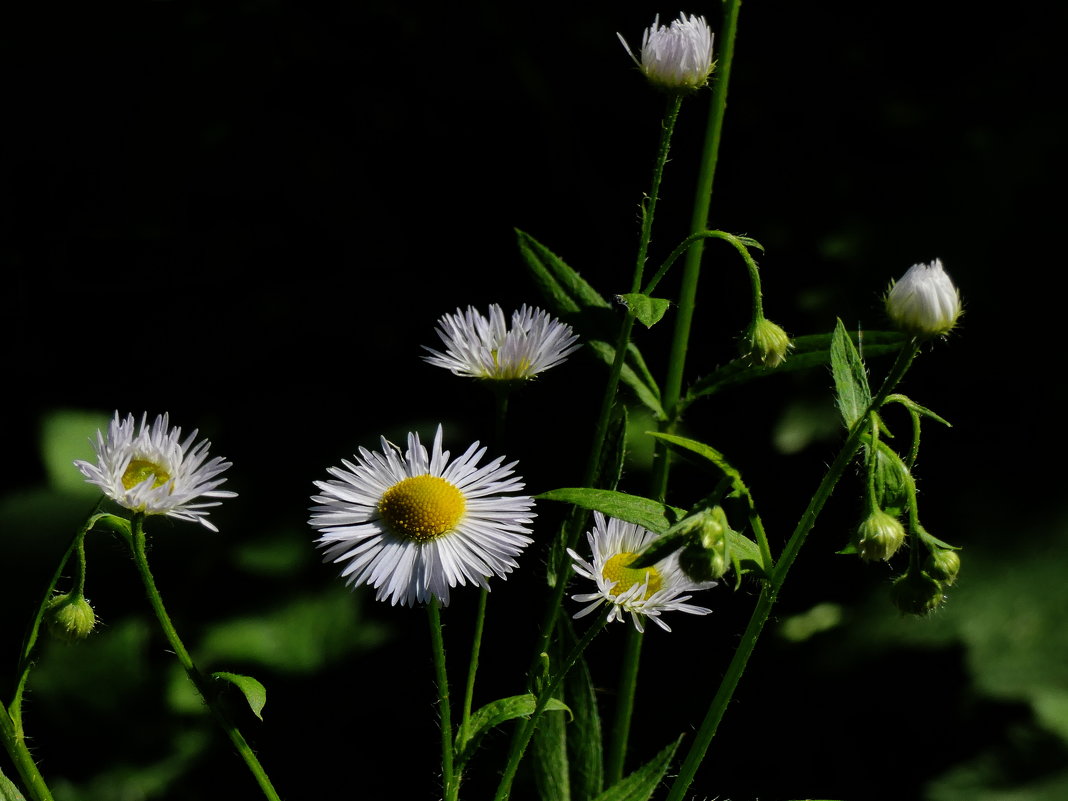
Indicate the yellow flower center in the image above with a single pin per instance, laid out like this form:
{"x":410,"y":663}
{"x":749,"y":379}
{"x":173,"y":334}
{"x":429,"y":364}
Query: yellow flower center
{"x":140,"y":470}
{"x":422,"y":507}
{"x":510,"y":372}
{"x":615,"y":569}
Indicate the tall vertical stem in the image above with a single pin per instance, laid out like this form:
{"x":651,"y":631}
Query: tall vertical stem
{"x":698,"y":222}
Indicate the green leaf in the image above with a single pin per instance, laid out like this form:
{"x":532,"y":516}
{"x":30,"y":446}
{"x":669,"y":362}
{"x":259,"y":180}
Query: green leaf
{"x":584,"y":746}
{"x":850,"y":378}
{"x":579,"y":304}
{"x":912,"y":406}
{"x":649,"y":514}
{"x":749,"y":242}
{"x":550,"y":758}
{"x":495,"y":713}
{"x":255,"y":693}
{"x":661,"y":548}
{"x":642,"y":783}
{"x":648,"y":311}
{"x":565,"y":289}
{"x":8,"y":791}
{"x":809,"y":351}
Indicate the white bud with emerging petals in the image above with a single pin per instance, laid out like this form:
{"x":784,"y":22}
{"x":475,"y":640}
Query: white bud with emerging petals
{"x":924,"y":302}
{"x":678,"y":56}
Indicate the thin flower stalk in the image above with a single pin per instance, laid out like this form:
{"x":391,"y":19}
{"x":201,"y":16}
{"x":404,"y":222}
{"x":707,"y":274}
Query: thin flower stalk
{"x":186,"y":661}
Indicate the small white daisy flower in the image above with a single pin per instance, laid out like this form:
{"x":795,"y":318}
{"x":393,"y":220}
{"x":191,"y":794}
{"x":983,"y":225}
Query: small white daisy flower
{"x":924,"y":302}
{"x":413,"y":525}
{"x":676,"y":56}
{"x":152,"y":471}
{"x":485,"y":347}
{"x":644,"y":592}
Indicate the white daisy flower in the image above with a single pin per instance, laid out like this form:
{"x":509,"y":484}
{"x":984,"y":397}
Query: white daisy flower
{"x":413,"y":525}
{"x":152,"y":471}
{"x":645,"y":592}
{"x":676,"y":56}
{"x":485,"y":347}
{"x":924,"y":302}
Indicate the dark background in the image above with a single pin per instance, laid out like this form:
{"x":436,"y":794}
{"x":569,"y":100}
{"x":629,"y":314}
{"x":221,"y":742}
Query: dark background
{"x":251,"y":214}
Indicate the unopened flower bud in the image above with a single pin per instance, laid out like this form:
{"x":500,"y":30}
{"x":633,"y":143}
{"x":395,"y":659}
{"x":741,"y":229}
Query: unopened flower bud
{"x":879,"y":536}
{"x":707,"y":558}
{"x":942,"y":565}
{"x":676,"y":57}
{"x":766,"y":343}
{"x":891,"y":481}
{"x":70,"y":617}
{"x":916,"y":593}
{"x":924,"y":302}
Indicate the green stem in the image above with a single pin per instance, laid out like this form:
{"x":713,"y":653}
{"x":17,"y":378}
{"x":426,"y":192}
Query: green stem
{"x":698,"y":222}
{"x":616,"y":755}
{"x":438,"y":647}
{"x":15,"y":745}
{"x":525,"y":729}
{"x":770,"y":592}
{"x":195,"y":676}
{"x":572,"y":529}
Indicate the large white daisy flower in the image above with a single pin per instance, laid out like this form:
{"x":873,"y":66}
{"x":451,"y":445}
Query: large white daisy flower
{"x":152,"y":470}
{"x":676,"y":56}
{"x":644,"y":592}
{"x":413,"y":525}
{"x":485,"y":347}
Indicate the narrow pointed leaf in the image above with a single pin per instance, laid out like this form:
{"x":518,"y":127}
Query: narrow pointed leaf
{"x":551,"y":774}
{"x":496,"y":713}
{"x":8,"y":790}
{"x":584,"y":744}
{"x":850,"y":377}
{"x":560,"y":282}
{"x":648,"y":311}
{"x":642,"y":783}
{"x":649,"y":514}
{"x":254,"y":692}
{"x":638,"y":380}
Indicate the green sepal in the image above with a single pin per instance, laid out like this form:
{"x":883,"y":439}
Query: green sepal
{"x":254,"y":692}
{"x":809,"y":351}
{"x":652,"y":515}
{"x":495,"y":713}
{"x":648,"y":311}
{"x":850,"y":377}
{"x":8,"y":790}
{"x":642,"y":783}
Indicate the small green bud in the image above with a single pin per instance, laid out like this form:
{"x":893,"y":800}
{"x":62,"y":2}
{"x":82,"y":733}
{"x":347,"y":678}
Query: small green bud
{"x":70,"y":618}
{"x":942,"y":565}
{"x":879,"y":536}
{"x":916,"y":594}
{"x":707,"y":558}
{"x":766,"y":343}
{"x":891,"y":480}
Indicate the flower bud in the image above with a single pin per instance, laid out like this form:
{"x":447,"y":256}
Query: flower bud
{"x":676,"y":57}
{"x":916,"y":593}
{"x":891,"y":481}
{"x":879,"y":536}
{"x":70,"y":617}
{"x":942,"y":565}
{"x":766,"y":343}
{"x":707,"y":558}
{"x":924,"y":302}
